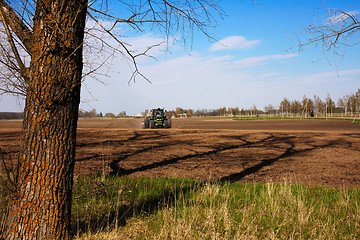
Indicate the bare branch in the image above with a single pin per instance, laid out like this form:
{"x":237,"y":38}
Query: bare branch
{"x":17,"y":25}
{"x":130,"y":21}
{"x":335,"y":34}
{"x":23,"y":71}
{"x":133,"y":57}
{"x":175,"y":19}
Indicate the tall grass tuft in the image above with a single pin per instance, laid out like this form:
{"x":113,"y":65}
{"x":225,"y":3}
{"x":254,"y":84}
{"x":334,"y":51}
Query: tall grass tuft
{"x":169,"y":208}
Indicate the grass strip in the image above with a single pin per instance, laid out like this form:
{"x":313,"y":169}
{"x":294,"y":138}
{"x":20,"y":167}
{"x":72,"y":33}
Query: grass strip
{"x":353,"y":121}
{"x":173,"y":208}
{"x":111,"y":207}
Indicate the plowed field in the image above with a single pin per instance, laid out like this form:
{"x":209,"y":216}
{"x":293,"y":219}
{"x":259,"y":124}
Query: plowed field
{"x":313,"y":152}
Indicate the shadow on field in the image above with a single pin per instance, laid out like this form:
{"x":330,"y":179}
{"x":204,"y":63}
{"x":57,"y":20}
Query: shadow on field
{"x":220,"y":155}
{"x":285,"y":152}
{"x":165,"y":142}
{"x":261,"y":151}
{"x":97,"y":221}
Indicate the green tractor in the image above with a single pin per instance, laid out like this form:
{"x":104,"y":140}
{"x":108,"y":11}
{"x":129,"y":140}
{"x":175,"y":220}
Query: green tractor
{"x":157,"y":119}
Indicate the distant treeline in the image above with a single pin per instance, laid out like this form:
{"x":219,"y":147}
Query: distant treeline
{"x":11,"y":115}
{"x":89,"y":114}
{"x":348,"y":105}
{"x":93,"y":113}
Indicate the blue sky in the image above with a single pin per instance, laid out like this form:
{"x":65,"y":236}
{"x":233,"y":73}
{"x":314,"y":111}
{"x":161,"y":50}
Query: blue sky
{"x":257,"y":66}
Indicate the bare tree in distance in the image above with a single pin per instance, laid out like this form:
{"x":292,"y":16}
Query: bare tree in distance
{"x":285,"y":106}
{"x":295,"y":107}
{"x":341,"y":103}
{"x":42,"y":46}
{"x":330,"y":106}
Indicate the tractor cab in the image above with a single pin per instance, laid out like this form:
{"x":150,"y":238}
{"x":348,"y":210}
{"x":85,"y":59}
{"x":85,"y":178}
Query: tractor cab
{"x":156,"y":113}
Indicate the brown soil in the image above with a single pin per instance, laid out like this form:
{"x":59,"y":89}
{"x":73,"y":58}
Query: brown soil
{"x":313,"y":152}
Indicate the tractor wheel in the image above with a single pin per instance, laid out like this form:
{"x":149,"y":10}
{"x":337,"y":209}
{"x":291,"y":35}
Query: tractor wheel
{"x":168,"y":123}
{"x":146,"y":122}
{"x":152,"y":124}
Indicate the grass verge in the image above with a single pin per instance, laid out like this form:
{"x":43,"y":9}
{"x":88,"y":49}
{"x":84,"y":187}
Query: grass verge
{"x":175,"y":208}
{"x":356,"y":121}
{"x":267,"y":118}
{"x":172,"y":208}
{"x":353,"y":121}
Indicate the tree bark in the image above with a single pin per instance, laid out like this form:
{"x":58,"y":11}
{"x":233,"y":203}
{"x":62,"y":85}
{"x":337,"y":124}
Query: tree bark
{"x":41,"y":208}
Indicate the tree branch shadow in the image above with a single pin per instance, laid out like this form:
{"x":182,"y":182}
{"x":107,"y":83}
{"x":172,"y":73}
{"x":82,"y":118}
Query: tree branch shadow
{"x":287,"y":152}
{"x":145,"y":151}
{"x":272,"y":142}
{"x":119,"y":215}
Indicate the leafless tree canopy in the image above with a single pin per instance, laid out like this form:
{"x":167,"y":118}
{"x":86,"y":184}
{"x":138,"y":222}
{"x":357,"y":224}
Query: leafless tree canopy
{"x":335,"y":34}
{"x":175,"y":20}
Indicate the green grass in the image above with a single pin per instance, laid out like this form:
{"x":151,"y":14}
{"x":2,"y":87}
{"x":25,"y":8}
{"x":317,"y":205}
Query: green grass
{"x":265,"y":118}
{"x":171,"y":208}
{"x":356,"y":121}
{"x":107,"y":207}
{"x":108,"y":202}
{"x":261,"y":117}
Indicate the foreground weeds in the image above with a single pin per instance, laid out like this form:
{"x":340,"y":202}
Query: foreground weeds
{"x":168,"y":208}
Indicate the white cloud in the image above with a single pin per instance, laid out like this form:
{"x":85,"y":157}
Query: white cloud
{"x":10,"y":103}
{"x":326,"y":77}
{"x":256,"y":61}
{"x":266,"y":76}
{"x":140,"y":44}
{"x":233,"y":42}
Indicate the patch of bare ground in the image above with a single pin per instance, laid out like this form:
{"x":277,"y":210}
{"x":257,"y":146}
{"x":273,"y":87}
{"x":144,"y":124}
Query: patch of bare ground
{"x":313,"y":152}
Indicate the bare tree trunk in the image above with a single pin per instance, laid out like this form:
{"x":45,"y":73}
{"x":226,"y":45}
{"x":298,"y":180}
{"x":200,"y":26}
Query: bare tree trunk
{"x":41,"y":208}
